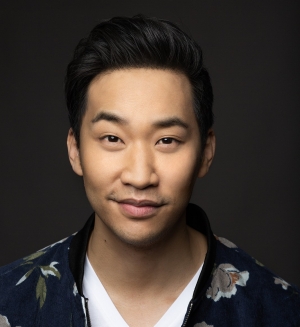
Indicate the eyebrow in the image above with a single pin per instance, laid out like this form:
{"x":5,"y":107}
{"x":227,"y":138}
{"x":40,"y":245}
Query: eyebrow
{"x":170,"y":122}
{"x":109,"y":117}
{"x":164,"y":123}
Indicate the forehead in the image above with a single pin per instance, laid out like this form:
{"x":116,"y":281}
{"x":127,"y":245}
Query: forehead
{"x":141,"y":94}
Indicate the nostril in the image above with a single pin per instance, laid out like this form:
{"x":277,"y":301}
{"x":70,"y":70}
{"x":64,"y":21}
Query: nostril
{"x":139,"y":182}
{"x":138,"y":178}
{"x":139,"y":167}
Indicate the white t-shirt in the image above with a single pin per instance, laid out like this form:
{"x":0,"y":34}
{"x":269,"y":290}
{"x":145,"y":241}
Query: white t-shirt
{"x":103,"y":312}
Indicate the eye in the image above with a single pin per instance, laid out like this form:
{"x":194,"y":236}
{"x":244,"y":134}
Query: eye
{"x":111,"y":141}
{"x":168,"y":140}
{"x":112,"y":138}
{"x":168,"y":144}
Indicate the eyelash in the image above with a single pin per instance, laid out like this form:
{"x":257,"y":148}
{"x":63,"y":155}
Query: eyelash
{"x":116,"y":139}
{"x":111,"y":136}
{"x":169,"y":139}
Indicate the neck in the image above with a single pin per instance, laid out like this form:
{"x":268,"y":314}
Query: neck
{"x":167,"y":264}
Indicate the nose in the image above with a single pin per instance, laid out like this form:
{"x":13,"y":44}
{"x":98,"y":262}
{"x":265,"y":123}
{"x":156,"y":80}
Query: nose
{"x":139,"y":168}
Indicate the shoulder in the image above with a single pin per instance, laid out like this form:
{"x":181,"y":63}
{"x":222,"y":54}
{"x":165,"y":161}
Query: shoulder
{"x":242,"y":279}
{"x":249,"y":271}
{"x":34,"y":281}
{"x":52,"y":252}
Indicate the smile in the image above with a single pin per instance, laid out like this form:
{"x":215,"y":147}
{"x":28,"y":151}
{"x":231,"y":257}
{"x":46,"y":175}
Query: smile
{"x":138,"y":208}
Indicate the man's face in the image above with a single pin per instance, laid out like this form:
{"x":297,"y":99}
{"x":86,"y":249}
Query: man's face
{"x":139,"y":152}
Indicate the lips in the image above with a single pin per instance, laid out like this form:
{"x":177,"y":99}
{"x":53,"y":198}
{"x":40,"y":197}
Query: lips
{"x":139,"y":208}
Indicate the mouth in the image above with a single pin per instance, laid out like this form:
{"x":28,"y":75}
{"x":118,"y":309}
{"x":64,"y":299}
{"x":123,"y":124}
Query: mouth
{"x":139,"y":208}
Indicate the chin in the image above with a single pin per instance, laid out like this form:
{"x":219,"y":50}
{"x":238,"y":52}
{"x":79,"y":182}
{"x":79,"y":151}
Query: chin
{"x":143,"y":241}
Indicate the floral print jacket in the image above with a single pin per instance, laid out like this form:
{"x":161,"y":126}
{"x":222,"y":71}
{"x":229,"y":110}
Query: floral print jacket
{"x":45,"y":288}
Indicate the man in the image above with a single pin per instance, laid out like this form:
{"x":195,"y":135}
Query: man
{"x":140,"y":108}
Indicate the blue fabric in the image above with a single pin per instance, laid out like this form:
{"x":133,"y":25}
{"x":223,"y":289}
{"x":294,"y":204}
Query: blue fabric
{"x":39,"y":290}
{"x":242,"y":292}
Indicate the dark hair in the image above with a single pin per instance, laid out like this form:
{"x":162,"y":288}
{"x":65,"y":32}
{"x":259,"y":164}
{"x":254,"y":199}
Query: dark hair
{"x":137,"y":42}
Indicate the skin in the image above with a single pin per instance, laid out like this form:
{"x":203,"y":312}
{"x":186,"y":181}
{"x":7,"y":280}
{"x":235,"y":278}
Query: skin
{"x":139,"y":157}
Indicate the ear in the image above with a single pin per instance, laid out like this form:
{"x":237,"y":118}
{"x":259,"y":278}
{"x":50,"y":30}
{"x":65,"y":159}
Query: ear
{"x":208,"y":153}
{"x":73,"y":152}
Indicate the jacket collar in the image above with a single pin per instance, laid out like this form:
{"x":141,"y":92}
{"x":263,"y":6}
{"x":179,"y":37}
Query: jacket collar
{"x":195,"y":217}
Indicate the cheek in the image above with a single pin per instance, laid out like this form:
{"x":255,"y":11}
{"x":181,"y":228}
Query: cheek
{"x":99,"y":171}
{"x":180,"y":174}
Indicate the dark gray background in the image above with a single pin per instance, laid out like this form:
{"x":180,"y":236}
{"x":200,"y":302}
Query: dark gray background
{"x":252,"y":51}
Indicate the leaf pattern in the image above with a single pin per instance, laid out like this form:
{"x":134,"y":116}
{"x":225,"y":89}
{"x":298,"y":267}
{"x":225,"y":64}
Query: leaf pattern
{"x":45,"y":272}
{"x":41,"y":290}
{"x":25,"y":276}
{"x":50,"y":270}
{"x":34,"y":255}
{"x":282,"y":282}
{"x":75,"y":290}
{"x":226,"y":242}
{"x":50,"y":246}
{"x":259,"y":263}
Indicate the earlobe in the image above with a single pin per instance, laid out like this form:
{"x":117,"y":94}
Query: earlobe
{"x":208,"y":153}
{"x":73,"y":152}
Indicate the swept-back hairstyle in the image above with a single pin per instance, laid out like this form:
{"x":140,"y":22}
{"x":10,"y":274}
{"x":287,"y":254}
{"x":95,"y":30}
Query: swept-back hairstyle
{"x":137,"y":42}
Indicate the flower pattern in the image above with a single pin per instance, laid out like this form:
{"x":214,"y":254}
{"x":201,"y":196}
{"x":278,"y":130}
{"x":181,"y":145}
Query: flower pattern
{"x":229,"y":279}
{"x":4,"y":322}
{"x":225,"y":279}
